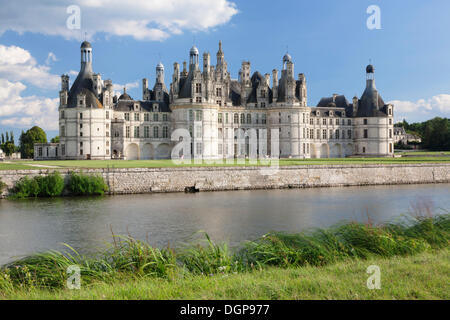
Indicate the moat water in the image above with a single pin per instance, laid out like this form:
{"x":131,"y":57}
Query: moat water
{"x":30,"y":226}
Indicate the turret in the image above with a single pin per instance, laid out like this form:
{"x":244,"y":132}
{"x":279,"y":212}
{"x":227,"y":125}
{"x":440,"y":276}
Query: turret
{"x":206,"y":62}
{"x":193,"y":59}
{"x":64,"y":82}
{"x":160,"y":73}
{"x":86,"y":56}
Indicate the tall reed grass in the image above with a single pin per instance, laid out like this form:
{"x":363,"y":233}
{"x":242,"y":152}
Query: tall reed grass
{"x":127,"y":257}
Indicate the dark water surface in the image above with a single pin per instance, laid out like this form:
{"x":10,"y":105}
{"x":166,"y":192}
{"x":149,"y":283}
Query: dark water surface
{"x":29,"y":226}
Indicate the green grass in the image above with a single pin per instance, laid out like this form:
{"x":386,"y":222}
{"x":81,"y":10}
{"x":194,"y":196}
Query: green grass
{"x":423,"y":276}
{"x":92,"y":164}
{"x":346,"y":246}
{"x":425,"y":153}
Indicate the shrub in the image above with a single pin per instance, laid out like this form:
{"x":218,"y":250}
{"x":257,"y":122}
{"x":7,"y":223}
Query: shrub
{"x":26,"y":187}
{"x":51,"y":185}
{"x":82,"y":184}
{"x":2,"y":185}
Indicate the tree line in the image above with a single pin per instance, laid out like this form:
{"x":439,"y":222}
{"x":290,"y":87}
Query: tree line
{"x":435,"y":133}
{"x":26,"y":142}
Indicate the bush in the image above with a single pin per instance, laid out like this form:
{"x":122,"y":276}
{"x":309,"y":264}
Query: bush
{"x":51,"y":185}
{"x":81,"y":184}
{"x":2,"y":185}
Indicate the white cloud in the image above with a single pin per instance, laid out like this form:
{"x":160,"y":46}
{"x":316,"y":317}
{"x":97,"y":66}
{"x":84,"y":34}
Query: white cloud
{"x":17,"y":67}
{"x":434,"y":105}
{"x":19,"y":111}
{"x":17,"y":64}
{"x":143,"y":20}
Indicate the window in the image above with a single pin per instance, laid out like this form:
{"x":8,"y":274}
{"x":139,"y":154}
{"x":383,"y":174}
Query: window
{"x":191,"y":115}
{"x":63,"y":131}
{"x":155,"y":117}
{"x":198,"y":99}
{"x":337,"y":122}
{"x":219,"y":92}
{"x":81,"y":152}
{"x":364,"y":149}
{"x":390,"y":133}
{"x":136,"y":117}
{"x":263,"y":104}
{"x":165,"y":117}
{"x":136,"y":132}
{"x":165,"y":132}
{"x":127,"y":116}
{"x":226,"y":117}
{"x":199,"y":115}
{"x":331,"y":121}
{"x":198,"y":88}
{"x":249,"y":118}
{"x":331,"y":134}
{"x":349,"y":134}
{"x":127,"y":132}
{"x":198,"y":132}
{"x":343,"y":134}
{"x":146,"y":117}
{"x":62,"y":114}
{"x":146,"y":132}
{"x":81,"y":126}
{"x":366,"y":134}
{"x":311,"y":121}
{"x":81,"y":115}
{"x":318,"y":134}
{"x":349,"y":122}
{"x":219,"y":102}
{"x":365,"y":121}
{"x":219,"y":118}
{"x":220,"y":133}
{"x":324,"y":134}
{"x":311,"y":133}
{"x":390,"y":121}
{"x":324,"y":121}
{"x":81,"y":133}
{"x":336,"y":135}
{"x":199,"y":148}
{"x":390,"y":111}
{"x":219,"y":148}
{"x":242,"y":118}
{"x":63,"y":149}
{"x":236,"y":118}
{"x":107,"y":114}
{"x":263,"y":93}
{"x":155,"y":132}
{"x":263,"y":120}
{"x":40,"y":151}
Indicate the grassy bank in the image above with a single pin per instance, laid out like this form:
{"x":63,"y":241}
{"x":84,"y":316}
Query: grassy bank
{"x":277,"y":265}
{"x":423,"y":276}
{"x":92,"y":164}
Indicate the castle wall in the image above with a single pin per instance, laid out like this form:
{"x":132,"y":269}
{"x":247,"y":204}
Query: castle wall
{"x":145,"y":180}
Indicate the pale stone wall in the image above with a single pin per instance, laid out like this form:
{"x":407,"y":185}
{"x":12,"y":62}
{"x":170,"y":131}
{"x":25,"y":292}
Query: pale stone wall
{"x":144,"y":180}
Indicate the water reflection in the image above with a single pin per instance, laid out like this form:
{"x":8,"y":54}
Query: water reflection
{"x":29,"y":226}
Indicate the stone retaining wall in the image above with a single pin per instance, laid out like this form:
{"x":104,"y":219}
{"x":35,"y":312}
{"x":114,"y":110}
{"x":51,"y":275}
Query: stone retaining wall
{"x":145,"y":180}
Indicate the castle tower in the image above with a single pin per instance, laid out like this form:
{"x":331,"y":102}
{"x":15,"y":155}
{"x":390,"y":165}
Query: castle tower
{"x":86,"y":56}
{"x":193,"y":59}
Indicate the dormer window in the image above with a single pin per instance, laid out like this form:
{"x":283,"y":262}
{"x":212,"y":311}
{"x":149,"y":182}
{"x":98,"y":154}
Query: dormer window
{"x":156,"y":108}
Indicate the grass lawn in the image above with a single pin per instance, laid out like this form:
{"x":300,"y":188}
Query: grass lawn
{"x":425,"y":153}
{"x":27,"y":164}
{"x":423,"y":276}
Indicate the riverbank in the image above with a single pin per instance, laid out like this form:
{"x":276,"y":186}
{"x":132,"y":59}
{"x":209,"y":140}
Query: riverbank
{"x":181,"y":179}
{"x":413,"y":257}
{"x":424,"y":276}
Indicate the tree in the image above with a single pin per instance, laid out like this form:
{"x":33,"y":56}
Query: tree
{"x":55,"y":140}
{"x":28,"y":139}
{"x":8,"y":148}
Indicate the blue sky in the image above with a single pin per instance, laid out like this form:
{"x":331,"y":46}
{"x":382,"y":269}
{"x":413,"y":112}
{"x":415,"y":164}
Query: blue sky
{"x":328,"y":40}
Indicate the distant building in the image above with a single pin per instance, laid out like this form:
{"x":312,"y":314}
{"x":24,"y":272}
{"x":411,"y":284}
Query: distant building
{"x":400,"y":136}
{"x":215,"y":108}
